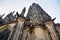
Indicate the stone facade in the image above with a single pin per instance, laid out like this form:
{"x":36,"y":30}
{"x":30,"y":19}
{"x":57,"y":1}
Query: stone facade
{"x":37,"y":25}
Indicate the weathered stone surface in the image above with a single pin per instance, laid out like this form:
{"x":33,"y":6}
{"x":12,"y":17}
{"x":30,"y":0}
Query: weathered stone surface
{"x":32,"y":27}
{"x":37,"y":14}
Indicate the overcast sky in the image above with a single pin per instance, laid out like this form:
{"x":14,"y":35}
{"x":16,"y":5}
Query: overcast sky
{"x":52,"y":7}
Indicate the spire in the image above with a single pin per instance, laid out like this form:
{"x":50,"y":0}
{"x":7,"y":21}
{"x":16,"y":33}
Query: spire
{"x":2,"y":15}
{"x":23,"y":11}
{"x":53,"y":19}
{"x":17,"y":14}
{"x":37,"y":14}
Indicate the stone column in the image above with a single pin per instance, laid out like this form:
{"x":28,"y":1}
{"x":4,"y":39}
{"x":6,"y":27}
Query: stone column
{"x":33,"y":37}
{"x":11,"y":27}
{"x":18,"y":30}
{"x":26,"y":33}
{"x":39,"y":33}
{"x":47,"y":34}
{"x":51,"y":29}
